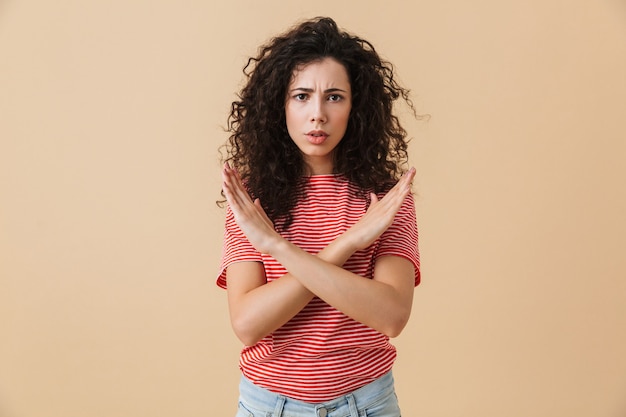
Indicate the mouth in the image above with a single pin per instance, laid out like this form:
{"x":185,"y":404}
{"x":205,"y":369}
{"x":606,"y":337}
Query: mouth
{"x":316,"y":137}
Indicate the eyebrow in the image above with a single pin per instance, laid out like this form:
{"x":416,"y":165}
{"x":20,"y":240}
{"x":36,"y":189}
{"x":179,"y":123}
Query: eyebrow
{"x":310,"y":90}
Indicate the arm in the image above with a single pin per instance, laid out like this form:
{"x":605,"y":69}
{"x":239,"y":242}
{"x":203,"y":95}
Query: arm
{"x":257,"y":308}
{"x":383,"y":303}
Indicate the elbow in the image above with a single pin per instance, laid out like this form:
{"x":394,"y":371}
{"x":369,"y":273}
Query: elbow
{"x":248,"y":340}
{"x":394,"y":330}
{"x":248,"y":335}
{"x":394,"y":327}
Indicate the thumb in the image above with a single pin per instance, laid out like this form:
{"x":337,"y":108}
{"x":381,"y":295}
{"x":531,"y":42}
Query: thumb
{"x":257,"y":204}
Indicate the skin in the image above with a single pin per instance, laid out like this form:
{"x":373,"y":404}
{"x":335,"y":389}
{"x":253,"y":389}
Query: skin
{"x":318,"y":101}
{"x":256,"y":307}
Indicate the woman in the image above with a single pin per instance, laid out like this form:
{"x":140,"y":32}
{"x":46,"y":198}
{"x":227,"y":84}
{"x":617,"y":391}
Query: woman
{"x":320,"y":247}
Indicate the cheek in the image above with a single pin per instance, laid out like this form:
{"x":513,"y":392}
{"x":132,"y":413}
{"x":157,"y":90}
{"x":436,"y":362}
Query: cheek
{"x":292,"y":122}
{"x":288,"y":116}
{"x":345,"y":117}
{"x":292,"y":113}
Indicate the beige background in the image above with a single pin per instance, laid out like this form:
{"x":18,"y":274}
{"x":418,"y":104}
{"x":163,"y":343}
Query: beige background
{"x":110,"y":120}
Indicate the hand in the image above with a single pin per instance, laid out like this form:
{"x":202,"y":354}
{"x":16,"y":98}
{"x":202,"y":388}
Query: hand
{"x":380,"y":214}
{"x":249,"y":214}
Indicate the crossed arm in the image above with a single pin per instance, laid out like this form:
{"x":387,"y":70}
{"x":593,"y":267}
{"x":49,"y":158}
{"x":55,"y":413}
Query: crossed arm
{"x":258,"y":308}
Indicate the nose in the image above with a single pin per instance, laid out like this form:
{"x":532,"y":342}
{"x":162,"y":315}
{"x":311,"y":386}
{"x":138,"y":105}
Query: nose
{"x":318,"y":112}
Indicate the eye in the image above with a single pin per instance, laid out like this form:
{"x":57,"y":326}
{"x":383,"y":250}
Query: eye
{"x":301,"y":96}
{"x":335,"y":97}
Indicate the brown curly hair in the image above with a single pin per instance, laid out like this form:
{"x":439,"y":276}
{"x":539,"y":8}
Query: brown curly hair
{"x":373,"y":151}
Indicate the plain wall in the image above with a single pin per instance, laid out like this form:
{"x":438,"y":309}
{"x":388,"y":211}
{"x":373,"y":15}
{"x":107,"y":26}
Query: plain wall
{"x":111,"y":114}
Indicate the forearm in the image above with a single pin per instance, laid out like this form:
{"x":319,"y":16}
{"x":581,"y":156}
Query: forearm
{"x":377,"y":304}
{"x":382,"y":303}
{"x":267,"y":307}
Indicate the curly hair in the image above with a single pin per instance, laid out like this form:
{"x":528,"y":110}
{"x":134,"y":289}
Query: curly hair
{"x":373,"y":152}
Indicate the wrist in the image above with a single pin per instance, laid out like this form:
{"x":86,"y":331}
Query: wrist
{"x":278,"y":245}
{"x":339,"y":250}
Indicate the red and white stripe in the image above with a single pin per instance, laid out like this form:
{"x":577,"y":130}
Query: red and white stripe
{"x":321,"y":353}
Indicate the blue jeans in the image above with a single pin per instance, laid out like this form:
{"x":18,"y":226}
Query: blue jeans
{"x":376,"y":399}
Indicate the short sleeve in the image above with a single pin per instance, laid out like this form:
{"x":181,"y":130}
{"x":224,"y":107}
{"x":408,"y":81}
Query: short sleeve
{"x":401,"y":238}
{"x":236,"y":248}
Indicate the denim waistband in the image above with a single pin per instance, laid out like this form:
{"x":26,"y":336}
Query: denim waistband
{"x":262,"y":399}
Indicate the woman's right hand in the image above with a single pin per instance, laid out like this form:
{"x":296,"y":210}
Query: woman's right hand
{"x":248,"y":214}
{"x":380,"y":214}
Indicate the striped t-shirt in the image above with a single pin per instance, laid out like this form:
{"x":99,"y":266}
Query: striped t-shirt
{"x":321,"y":353}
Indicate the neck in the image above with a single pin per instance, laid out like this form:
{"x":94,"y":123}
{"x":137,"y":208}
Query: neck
{"x":319,"y":167}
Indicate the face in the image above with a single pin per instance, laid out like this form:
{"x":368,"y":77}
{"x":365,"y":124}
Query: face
{"x":317,"y":109}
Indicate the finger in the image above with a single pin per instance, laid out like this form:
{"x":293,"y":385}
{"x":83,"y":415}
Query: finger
{"x":393,"y":200}
{"x":227,"y":185}
{"x":232,"y":178}
{"x":373,"y":202}
{"x":260,"y":209}
{"x":406,"y":179}
{"x":408,"y":176}
{"x":234,"y":175}
{"x":236,"y":195}
{"x":403,"y":186}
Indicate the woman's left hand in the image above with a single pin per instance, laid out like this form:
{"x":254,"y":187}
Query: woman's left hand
{"x":380,"y":214}
{"x":249,"y":214}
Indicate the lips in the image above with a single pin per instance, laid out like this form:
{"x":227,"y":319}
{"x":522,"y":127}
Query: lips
{"x":316,"y":137}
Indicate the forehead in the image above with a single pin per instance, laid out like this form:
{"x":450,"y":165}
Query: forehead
{"x":326,"y":71}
